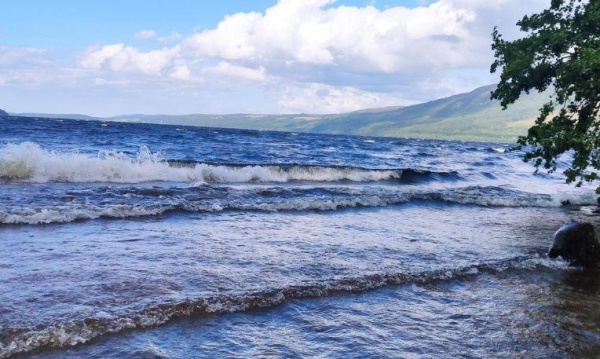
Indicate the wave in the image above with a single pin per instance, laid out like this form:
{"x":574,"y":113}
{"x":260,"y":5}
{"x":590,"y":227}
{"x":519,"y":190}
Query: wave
{"x":19,"y":341}
{"x":29,"y":162}
{"x":130,"y":202}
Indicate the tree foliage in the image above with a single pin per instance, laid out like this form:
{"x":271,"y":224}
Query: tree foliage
{"x":560,"y":53}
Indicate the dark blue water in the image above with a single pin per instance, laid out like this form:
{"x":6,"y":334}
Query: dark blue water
{"x":138,"y":240}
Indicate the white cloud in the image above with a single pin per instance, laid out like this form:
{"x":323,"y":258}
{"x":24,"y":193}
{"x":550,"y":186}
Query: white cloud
{"x":319,"y":98}
{"x":23,"y":56}
{"x":181,"y":72}
{"x":119,"y":57}
{"x":29,"y":65}
{"x":173,"y":36}
{"x":293,"y":33}
{"x":153,"y":35}
{"x":145,"y":35}
{"x":227,"y":70}
{"x":228,"y":41}
{"x":300,"y":38}
{"x":300,"y":55}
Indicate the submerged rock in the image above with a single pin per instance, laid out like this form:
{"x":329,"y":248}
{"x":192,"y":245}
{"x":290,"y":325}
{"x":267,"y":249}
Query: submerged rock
{"x":577,"y":243}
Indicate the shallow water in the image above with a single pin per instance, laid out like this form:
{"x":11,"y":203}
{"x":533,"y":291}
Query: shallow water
{"x":204,"y":242}
{"x":536,"y":314}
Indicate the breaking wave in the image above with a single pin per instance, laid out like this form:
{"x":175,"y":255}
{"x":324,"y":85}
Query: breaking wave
{"x":17,"y":341}
{"x":113,"y":184}
{"x":29,"y":162}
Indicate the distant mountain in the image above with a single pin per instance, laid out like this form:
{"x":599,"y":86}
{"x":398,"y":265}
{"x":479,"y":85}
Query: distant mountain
{"x":54,"y":115}
{"x":3,"y":113}
{"x":469,"y":116}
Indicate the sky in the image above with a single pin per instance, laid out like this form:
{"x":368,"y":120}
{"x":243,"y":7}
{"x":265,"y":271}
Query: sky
{"x":112,"y":57}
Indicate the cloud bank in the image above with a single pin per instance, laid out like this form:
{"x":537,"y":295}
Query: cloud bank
{"x":313,"y":56}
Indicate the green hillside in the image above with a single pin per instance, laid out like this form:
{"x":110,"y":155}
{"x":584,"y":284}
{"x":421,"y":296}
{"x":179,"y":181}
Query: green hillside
{"x":469,"y":116}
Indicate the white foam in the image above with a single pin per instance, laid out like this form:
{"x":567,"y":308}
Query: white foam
{"x":576,"y":196}
{"x":495,"y":196}
{"x":29,"y":162}
{"x":65,"y":215}
{"x":239,"y":198}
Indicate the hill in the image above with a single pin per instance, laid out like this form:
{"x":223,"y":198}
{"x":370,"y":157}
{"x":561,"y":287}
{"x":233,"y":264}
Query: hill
{"x":58,"y":116}
{"x":3,"y":113}
{"x":470,"y":116}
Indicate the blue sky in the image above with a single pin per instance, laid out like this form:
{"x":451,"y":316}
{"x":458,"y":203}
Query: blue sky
{"x":104,"y":58}
{"x":73,"y":24}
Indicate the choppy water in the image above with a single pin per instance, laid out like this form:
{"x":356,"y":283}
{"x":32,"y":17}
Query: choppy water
{"x":134,"y":240}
